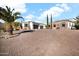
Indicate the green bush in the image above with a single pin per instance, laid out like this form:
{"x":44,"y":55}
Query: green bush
{"x":77,"y":25}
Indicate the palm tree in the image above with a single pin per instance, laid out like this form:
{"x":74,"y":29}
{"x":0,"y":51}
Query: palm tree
{"x":9,"y":17}
{"x":16,"y":25}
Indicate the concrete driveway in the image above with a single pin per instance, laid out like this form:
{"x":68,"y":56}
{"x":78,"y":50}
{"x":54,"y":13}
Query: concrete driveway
{"x":45,"y":42}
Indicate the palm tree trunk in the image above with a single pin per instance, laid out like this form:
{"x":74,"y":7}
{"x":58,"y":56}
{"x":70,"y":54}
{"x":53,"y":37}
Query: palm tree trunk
{"x":9,"y":28}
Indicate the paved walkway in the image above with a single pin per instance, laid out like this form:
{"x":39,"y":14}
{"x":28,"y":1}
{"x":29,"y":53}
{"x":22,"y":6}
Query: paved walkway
{"x":42,"y":42}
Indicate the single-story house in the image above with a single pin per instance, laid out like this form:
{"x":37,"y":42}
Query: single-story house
{"x":32,"y":25}
{"x":63,"y":24}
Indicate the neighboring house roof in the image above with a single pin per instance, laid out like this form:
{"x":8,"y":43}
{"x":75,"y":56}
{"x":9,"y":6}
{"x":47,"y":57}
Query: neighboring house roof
{"x":34,"y":23}
{"x":63,"y":20}
{"x":38,"y":23}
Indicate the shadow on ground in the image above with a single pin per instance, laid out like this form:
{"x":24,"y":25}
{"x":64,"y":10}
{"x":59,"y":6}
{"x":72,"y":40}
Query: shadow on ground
{"x":20,"y":32}
{"x":17,"y":33}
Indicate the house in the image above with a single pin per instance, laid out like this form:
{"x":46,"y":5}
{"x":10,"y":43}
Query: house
{"x":63,"y":24}
{"x":30,"y":25}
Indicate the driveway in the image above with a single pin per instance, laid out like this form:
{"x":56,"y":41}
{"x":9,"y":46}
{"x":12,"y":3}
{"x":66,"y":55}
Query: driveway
{"x":45,"y":42}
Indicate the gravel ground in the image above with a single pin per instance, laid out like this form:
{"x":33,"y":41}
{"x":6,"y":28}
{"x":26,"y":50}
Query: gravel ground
{"x":45,"y":42}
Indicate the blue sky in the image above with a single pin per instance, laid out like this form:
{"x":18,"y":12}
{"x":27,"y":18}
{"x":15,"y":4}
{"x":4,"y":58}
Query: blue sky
{"x":35,"y":10}
{"x":38,"y":11}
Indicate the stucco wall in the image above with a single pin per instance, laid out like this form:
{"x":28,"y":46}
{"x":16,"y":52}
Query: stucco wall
{"x":68,"y":25}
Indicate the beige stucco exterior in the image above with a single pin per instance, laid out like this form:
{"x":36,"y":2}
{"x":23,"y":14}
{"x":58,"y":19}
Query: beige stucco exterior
{"x":62,"y":24}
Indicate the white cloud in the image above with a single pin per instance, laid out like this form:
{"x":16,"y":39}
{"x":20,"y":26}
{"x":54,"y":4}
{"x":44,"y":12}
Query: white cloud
{"x":64,"y":6}
{"x":55,"y":11}
{"x":18,"y":5}
{"x":30,"y":17}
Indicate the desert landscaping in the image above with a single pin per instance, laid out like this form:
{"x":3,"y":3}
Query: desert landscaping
{"x":44,"y":42}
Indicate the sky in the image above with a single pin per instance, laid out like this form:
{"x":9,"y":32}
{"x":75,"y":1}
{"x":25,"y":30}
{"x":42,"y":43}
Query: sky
{"x":38,"y":11}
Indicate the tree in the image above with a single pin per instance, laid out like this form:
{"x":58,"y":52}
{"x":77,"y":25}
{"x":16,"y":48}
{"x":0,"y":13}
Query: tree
{"x":51,"y":21}
{"x":9,"y":17}
{"x":47,"y":22}
{"x":16,"y":25}
{"x":77,"y":22}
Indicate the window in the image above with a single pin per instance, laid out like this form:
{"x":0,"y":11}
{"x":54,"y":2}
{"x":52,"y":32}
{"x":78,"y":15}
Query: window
{"x":63,"y":25}
{"x":25,"y":25}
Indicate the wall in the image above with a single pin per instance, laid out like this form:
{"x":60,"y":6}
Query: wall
{"x":31,"y":25}
{"x":60,"y":25}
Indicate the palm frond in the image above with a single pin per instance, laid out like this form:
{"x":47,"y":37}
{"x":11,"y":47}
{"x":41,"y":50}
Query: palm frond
{"x":17,"y":13}
{"x":7,"y":14}
{"x":17,"y":17}
{"x":8,"y":9}
{"x":77,"y":17}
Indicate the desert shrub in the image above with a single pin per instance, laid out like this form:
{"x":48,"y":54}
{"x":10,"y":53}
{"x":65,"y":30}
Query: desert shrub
{"x":77,"y":25}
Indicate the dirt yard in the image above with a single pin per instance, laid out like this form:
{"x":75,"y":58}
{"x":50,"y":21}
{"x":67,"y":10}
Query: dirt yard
{"x":45,"y":42}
